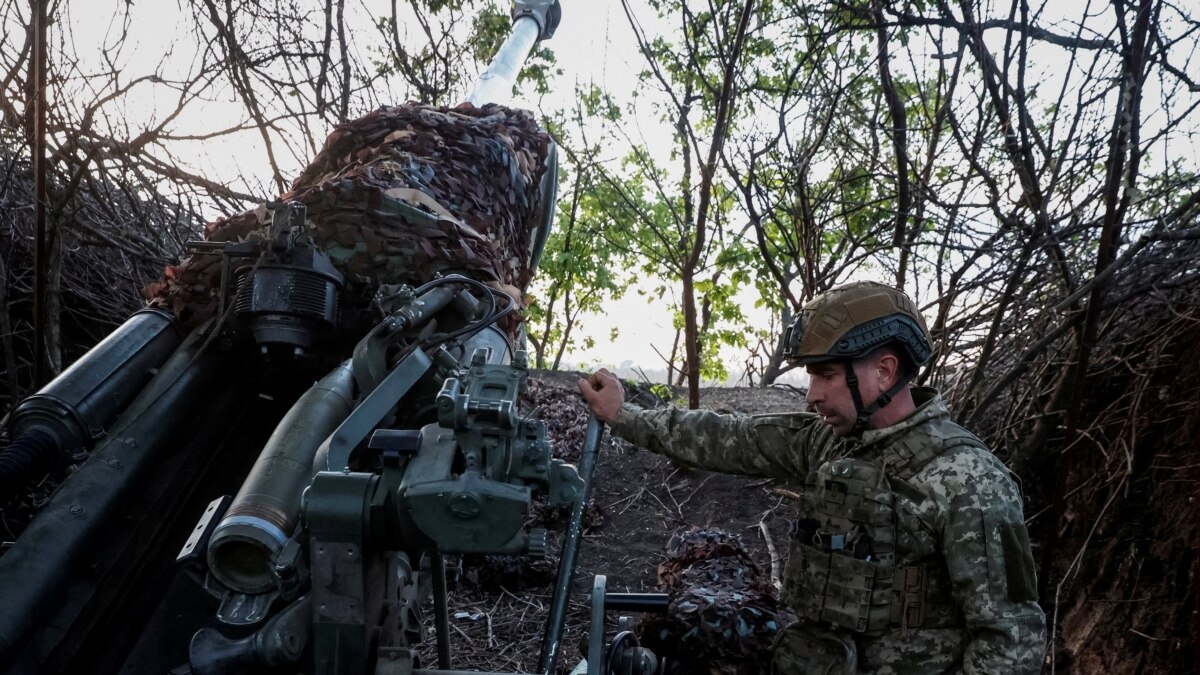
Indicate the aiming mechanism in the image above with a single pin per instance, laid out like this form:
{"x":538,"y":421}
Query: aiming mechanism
{"x":366,"y":483}
{"x":411,"y":449}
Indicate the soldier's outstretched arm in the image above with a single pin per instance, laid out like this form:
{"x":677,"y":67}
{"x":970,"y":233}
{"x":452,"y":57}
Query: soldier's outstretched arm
{"x":991,"y":566}
{"x":766,"y":445}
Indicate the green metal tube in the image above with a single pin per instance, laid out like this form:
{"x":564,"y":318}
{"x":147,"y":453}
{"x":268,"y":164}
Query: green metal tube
{"x":265,"y":511}
{"x":566,"y":565}
{"x":441,"y":609}
{"x":73,"y":411}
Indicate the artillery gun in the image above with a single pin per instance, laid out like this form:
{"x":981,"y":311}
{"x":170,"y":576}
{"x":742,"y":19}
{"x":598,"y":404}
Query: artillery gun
{"x":350,"y":493}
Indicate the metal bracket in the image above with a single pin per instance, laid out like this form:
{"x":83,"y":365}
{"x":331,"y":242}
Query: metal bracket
{"x":240,"y":609}
{"x":595,"y":653}
{"x":196,"y":547}
{"x":374,"y":408}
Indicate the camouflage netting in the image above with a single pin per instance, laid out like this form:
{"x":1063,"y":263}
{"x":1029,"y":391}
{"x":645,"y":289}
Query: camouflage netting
{"x":723,"y":611}
{"x":399,"y":196}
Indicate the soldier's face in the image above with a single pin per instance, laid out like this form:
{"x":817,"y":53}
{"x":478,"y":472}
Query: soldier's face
{"x":829,"y":396}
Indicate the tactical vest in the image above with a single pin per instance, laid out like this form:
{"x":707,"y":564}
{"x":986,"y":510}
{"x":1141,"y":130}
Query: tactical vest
{"x":843,"y":569}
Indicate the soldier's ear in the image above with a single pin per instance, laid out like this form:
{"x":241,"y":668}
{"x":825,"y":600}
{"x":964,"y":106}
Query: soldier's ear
{"x":889,"y":368}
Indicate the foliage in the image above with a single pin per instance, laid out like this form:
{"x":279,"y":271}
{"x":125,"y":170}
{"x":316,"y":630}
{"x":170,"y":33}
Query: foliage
{"x":150,"y":127}
{"x":581,"y":270}
{"x":680,"y":212}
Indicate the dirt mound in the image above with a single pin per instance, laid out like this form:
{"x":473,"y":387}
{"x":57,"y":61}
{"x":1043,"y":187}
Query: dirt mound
{"x":1125,"y":565}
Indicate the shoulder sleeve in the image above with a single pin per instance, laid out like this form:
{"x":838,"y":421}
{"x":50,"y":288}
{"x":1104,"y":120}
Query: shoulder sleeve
{"x":990,"y":562}
{"x":781,"y":446}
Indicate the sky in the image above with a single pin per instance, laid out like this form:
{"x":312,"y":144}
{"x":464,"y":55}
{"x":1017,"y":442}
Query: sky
{"x":593,"y":45}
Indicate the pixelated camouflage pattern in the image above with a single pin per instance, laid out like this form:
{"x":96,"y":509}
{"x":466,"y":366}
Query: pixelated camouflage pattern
{"x":842,"y":554}
{"x":961,"y":506}
{"x":397,"y":197}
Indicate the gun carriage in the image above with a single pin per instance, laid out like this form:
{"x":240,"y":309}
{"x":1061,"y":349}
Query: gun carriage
{"x":350,"y":494}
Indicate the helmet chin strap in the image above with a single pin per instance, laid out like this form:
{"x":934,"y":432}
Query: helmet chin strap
{"x":863,"y":420}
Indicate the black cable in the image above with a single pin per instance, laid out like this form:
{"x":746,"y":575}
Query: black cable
{"x":491,"y":316}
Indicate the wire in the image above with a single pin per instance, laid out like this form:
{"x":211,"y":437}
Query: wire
{"x":490,"y":317}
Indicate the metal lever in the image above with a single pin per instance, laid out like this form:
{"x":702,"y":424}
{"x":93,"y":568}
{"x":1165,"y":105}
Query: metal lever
{"x":566,"y":566}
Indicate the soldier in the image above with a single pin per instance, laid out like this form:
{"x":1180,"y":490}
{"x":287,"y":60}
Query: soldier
{"x":909,"y":553}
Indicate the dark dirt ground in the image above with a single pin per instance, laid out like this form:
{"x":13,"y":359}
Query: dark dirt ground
{"x":638,"y":500}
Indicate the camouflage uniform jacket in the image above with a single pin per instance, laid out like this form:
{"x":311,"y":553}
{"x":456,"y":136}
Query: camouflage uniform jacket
{"x":964,"y":509}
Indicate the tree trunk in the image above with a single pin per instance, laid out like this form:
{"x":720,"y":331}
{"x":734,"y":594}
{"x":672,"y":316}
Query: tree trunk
{"x":707,"y":171}
{"x":775,"y":362}
{"x":1124,"y":155}
{"x":6,"y":340}
{"x":691,"y":342}
{"x":54,"y":301}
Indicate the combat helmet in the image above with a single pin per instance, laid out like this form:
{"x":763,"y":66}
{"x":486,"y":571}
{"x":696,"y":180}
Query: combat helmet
{"x":848,"y":322}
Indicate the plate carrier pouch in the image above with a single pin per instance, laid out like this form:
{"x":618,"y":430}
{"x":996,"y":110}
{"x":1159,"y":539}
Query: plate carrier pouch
{"x":842,"y":567}
{"x":813,"y":650}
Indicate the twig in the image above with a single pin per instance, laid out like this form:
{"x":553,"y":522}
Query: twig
{"x":660,"y":503}
{"x":776,"y":579}
{"x":693,"y":494}
{"x":678,"y":508}
{"x":1077,"y":488}
{"x":538,"y":606}
{"x":491,"y":640}
{"x":1148,"y":637}
{"x":631,"y":499}
{"x":1071,"y":569}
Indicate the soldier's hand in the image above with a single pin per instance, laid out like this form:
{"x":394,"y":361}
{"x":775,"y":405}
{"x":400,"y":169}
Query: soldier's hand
{"x":603,"y":393}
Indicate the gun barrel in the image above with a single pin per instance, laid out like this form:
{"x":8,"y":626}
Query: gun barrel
{"x":534,"y":20}
{"x":496,"y":83}
{"x":265,"y":511}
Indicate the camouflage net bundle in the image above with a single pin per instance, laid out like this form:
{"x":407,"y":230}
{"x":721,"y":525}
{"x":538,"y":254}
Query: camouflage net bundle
{"x":399,"y":196}
{"x":723,"y":611}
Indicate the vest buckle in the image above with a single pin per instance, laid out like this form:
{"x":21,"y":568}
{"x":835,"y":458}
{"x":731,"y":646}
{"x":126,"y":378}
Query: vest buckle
{"x":910,"y":586}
